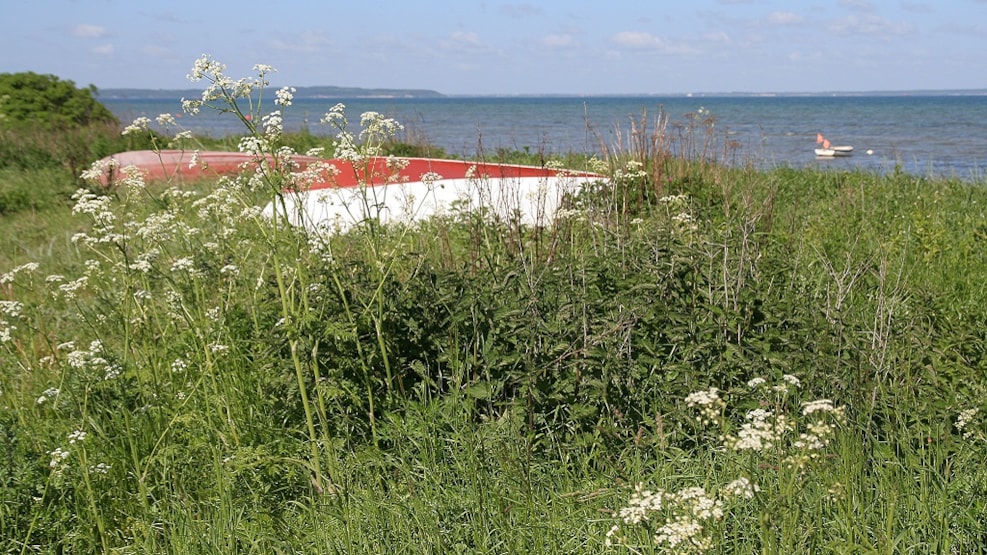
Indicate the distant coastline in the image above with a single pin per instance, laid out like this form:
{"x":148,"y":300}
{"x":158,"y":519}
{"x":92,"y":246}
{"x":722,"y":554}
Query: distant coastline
{"x":301,"y":92}
{"x":330,"y":92}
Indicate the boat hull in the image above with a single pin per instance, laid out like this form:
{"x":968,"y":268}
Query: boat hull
{"x":334,"y":195}
{"x":183,"y":165}
{"x":832,"y":152}
{"x":408,"y":190}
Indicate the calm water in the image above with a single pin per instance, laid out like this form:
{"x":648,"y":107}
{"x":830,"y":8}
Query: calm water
{"x":924,"y":135}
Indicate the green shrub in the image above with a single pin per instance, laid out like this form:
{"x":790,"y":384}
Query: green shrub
{"x":45,"y":101}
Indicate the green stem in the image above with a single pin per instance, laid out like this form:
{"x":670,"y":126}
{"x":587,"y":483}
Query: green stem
{"x":92,"y":498}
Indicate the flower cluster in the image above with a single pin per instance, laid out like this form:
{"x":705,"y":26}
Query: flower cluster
{"x":376,"y":130}
{"x":760,"y":432}
{"x":139,"y":125}
{"x":634,"y":169}
{"x":284,"y":96}
{"x":683,"y":517}
{"x":708,"y":403}
{"x":966,"y":421}
{"x":9,"y":310}
{"x":677,"y":209}
{"x":12,"y":274}
{"x":100,"y":211}
{"x":94,"y":359}
{"x":641,"y":504}
{"x":221,"y":87}
{"x":50,"y":393}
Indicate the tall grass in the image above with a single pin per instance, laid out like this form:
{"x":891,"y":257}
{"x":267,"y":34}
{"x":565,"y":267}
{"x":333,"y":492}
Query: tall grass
{"x":180,"y":374}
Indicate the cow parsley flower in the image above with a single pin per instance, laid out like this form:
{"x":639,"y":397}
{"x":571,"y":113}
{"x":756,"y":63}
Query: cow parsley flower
{"x":49,"y":393}
{"x":683,"y":529}
{"x":76,"y":436}
{"x":101,"y":468}
{"x":641,"y":503}
{"x":756,"y":382}
{"x":57,"y":457}
{"x":9,"y":276}
{"x":166,"y":120}
{"x":284,"y":96}
{"x":204,"y":67}
{"x":964,"y":421}
{"x":273,"y":123}
{"x":741,"y":487}
{"x":139,"y":125}
{"x":709,"y":404}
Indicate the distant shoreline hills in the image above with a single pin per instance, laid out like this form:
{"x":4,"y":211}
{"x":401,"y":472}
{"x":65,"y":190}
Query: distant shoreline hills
{"x":332,"y":92}
{"x":300,"y":92}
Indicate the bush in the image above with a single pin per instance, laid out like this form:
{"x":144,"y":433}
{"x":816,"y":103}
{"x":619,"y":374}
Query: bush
{"x":29,"y":99}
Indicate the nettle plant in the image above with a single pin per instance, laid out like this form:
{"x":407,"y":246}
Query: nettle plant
{"x":771,"y":449}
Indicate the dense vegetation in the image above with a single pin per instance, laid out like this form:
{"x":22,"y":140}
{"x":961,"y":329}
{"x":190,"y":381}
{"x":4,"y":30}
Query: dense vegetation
{"x":47,"y":101}
{"x":792,"y":360}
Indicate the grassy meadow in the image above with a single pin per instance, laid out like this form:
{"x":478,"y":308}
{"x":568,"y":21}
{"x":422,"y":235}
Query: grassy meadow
{"x":693,"y":358}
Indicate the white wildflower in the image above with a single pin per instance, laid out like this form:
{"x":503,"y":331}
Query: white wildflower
{"x":77,"y":436}
{"x":273,"y":123}
{"x":963,"y":421}
{"x":101,"y":468}
{"x":9,"y":276}
{"x":166,"y":120}
{"x":741,"y":487}
{"x":183,"y":264}
{"x":204,"y":67}
{"x":139,"y":125}
{"x":640,"y":504}
{"x":11,"y":309}
{"x":49,"y":393}
{"x":284,"y":96}
{"x":754,"y":383}
{"x":57,"y":456}
{"x":264,"y":69}
{"x":708,"y":403}
{"x":682,"y":529}
{"x":822,"y":405}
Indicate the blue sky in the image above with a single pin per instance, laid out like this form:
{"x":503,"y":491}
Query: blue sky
{"x":511,"y":46}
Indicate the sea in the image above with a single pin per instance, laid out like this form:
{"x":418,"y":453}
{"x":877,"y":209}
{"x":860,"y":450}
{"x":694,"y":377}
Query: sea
{"x":935,"y":135}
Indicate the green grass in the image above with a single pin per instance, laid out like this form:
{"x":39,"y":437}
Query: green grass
{"x":467,"y":386}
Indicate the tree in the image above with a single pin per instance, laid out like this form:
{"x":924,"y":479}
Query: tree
{"x":47,"y":101}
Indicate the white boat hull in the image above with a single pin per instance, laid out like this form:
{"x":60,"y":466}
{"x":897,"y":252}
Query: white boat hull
{"x":832,"y":152}
{"x":532,"y":201}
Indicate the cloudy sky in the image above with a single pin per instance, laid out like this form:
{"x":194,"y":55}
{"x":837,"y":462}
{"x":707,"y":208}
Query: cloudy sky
{"x":511,"y":46}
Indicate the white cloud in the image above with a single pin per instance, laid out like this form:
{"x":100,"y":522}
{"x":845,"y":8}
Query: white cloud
{"x":646,"y":41}
{"x":465,"y":37}
{"x":717,"y":37}
{"x":637,"y":39}
{"x":87,"y":31}
{"x":155,"y":50}
{"x":869,"y":25}
{"x":104,"y":50}
{"x":558,"y":41}
{"x":784,"y":18}
{"x":464,"y":41}
{"x":862,"y":5}
{"x":307,"y":41}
